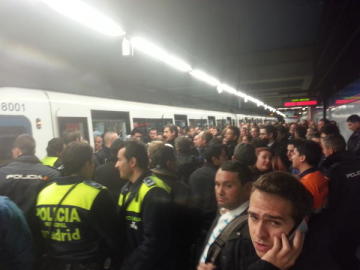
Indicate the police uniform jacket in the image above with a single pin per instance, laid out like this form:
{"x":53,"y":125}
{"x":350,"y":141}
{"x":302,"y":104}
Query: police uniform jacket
{"x":144,"y":207}
{"x":22,"y":179}
{"x":84,"y":227}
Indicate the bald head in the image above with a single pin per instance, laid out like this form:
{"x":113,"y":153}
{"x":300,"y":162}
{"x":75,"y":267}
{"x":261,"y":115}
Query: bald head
{"x":109,"y":138}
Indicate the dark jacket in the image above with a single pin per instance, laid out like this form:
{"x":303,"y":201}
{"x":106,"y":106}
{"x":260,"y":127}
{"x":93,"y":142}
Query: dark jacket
{"x":22,"y":179}
{"x":239,"y":242}
{"x":89,"y":230}
{"x":343,"y":170}
{"x":353,"y":144}
{"x":186,"y":164}
{"x":102,"y":156}
{"x":149,"y":243}
{"x":182,"y":216}
{"x":202,"y":186}
{"x":15,"y":238}
{"x":109,"y":176}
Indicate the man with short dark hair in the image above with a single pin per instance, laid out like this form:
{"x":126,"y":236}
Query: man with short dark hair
{"x":78,"y":216}
{"x":137,"y":135}
{"x":306,"y":158}
{"x":353,"y":145}
{"x":153,"y":134}
{"x":231,"y":137}
{"x":343,"y":170}
{"x":233,"y":183}
{"x":170,"y":134}
{"x":54,"y":150}
{"x":202,"y":184}
{"x":268,"y":136}
{"x":144,"y":204}
{"x":25,"y":176}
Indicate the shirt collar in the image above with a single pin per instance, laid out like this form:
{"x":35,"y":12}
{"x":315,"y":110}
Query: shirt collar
{"x":311,"y":170}
{"x":237,"y":211}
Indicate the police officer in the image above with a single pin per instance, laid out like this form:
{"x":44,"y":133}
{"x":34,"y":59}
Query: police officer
{"x":23,"y":178}
{"x":78,"y":216}
{"x":54,"y":150}
{"x":144,"y":204}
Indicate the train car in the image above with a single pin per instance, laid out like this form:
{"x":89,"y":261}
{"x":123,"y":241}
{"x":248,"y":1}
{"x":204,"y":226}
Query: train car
{"x":46,"y":114}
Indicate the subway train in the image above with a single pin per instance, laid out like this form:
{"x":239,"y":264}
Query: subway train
{"x":46,"y":114}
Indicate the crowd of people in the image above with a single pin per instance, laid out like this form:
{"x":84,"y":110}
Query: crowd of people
{"x":257,"y":196}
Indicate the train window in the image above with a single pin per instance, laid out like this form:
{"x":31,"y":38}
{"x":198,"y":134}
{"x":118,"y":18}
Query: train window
{"x":180,"y":120}
{"x":198,"y":122}
{"x":212,"y":121}
{"x":74,"y":124}
{"x":147,"y":123}
{"x":104,"y":121}
{"x":10,"y":127}
{"x":221,"y":123}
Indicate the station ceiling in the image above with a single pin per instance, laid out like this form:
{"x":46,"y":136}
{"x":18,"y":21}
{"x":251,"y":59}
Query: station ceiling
{"x":264,"y":48}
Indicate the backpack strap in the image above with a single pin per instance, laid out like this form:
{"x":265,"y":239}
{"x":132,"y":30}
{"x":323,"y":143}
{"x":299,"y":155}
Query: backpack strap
{"x":220,"y":241}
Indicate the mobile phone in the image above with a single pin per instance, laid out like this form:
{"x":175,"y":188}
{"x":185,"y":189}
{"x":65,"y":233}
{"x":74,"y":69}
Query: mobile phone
{"x":302,"y":227}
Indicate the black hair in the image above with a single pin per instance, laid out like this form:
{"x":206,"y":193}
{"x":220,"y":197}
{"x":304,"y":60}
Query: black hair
{"x":161,"y":154}
{"x":75,"y":156}
{"x":271,"y":129}
{"x":213,"y":150}
{"x":26,"y":144}
{"x":300,"y":131}
{"x":207,"y":136}
{"x":71,"y":136}
{"x":353,"y":118}
{"x":235,"y":130}
{"x":173,"y":129}
{"x":245,"y":153}
{"x":244,"y":173}
{"x":335,"y":142}
{"x":184,"y":145}
{"x":289,"y":188}
{"x":55,"y":146}
{"x":115,"y":147}
{"x":330,"y":129}
{"x":311,"y":150}
{"x":138,"y":151}
{"x":136,"y":130}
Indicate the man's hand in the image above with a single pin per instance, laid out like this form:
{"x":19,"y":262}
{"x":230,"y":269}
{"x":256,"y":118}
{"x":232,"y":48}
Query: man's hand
{"x":206,"y":266}
{"x":284,"y":254}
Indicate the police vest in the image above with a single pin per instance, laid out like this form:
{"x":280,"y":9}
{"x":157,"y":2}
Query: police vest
{"x":133,"y":209}
{"x":66,"y":227}
{"x":49,"y":161}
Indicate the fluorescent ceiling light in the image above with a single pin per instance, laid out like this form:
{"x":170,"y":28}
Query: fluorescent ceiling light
{"x":228,"y":89}
{"x":159,"y":54}
{"x":203,"y":76}
{"x":86,"y":15}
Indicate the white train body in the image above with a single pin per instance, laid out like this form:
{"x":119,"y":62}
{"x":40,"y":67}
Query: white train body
{"x":46,"y":115}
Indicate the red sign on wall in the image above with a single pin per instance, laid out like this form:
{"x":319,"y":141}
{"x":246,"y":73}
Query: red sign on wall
{"x":301,"y":103}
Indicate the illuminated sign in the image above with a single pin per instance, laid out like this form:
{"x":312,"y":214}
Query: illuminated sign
{"x":300,"y":99}
{"x":301,"y":103}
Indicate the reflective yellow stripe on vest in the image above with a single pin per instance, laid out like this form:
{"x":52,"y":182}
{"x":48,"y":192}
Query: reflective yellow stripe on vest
{"x":81,"y":196}
{"x":136,"y":203}
{"x":49,"y":161}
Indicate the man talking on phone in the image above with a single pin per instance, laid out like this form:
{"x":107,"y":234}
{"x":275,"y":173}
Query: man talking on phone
{"x":278,"y":206}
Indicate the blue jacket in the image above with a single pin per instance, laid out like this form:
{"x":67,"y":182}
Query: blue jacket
{"x":15,"y":238}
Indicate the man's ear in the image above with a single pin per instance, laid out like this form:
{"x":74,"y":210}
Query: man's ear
{"x":132,"y":162}
{"x":302,"y":158}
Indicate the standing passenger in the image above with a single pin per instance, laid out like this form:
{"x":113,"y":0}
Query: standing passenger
{"x":170,"y":134}
{"x":78,"y":217}
{"x":144,"y":204}
{"x":104,"y":155}
{"x":353,"y":144}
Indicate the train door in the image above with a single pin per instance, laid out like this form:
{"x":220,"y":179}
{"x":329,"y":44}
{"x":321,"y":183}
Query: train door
{"x":74,"y":124}
{"x":212,"y":122}
{"x":181,"y":120}
{"x":10,"y":127}
{"x":228,"y":121}
{"x":104,"y":121}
